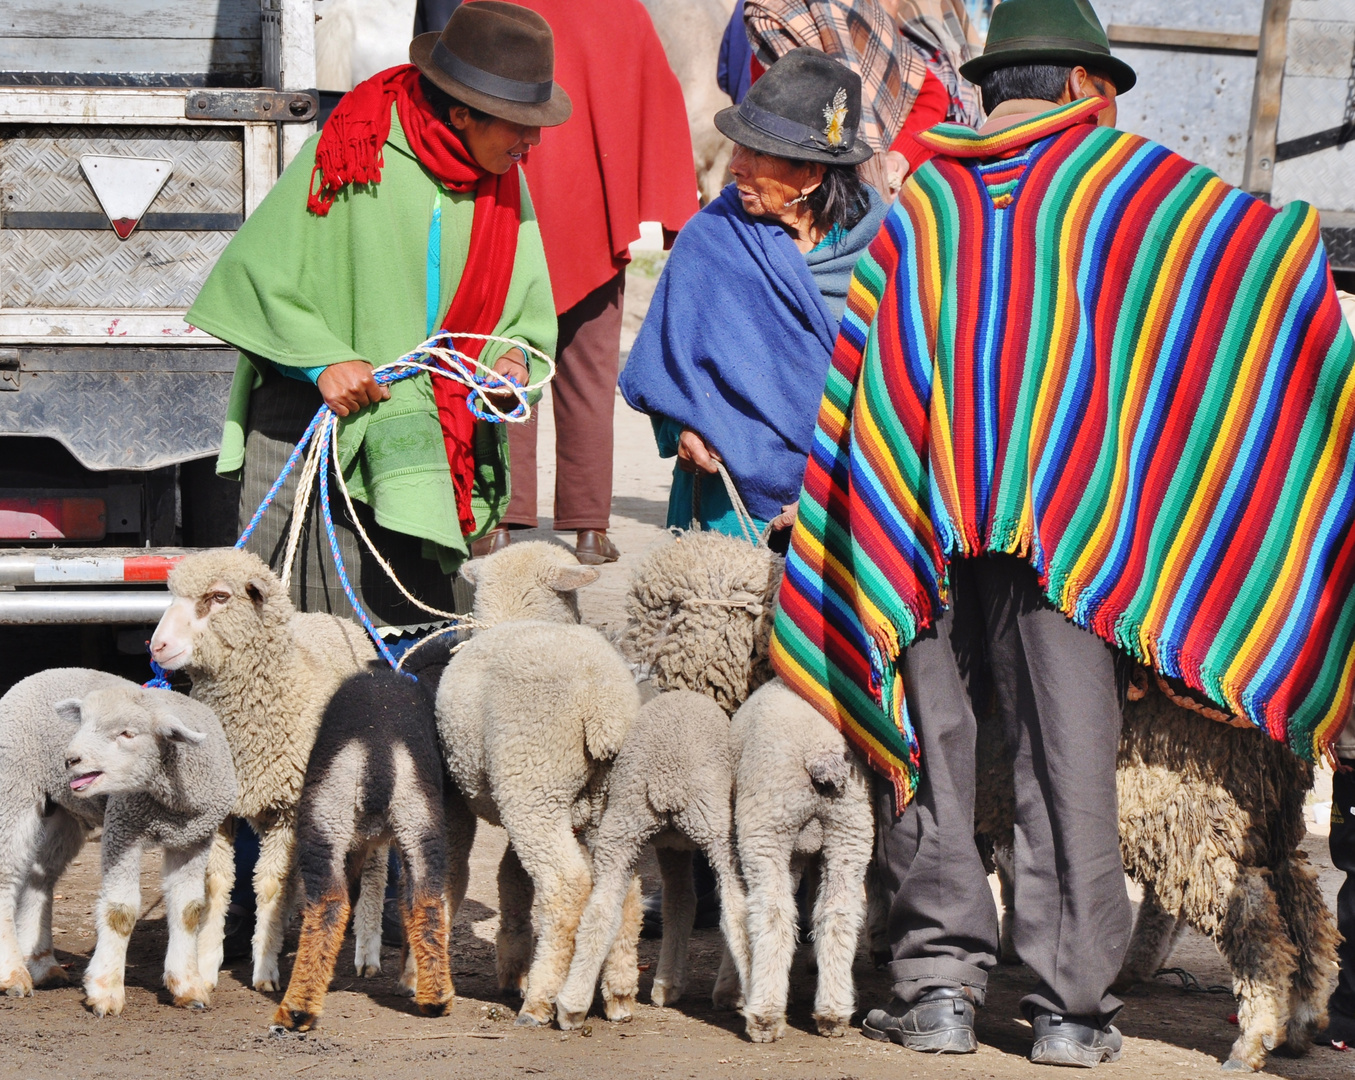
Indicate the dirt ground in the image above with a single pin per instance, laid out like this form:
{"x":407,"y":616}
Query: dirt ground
{"x":367,"y":1032}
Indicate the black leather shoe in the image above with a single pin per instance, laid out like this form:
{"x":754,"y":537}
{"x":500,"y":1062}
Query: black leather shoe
{"x":941,"y":1021}
{"x":1073,"y":1040}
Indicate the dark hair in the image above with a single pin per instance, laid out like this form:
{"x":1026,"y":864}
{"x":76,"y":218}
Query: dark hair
{"x":840,"y":199}
{"x":443,"y":103}
{"x":1043,"y":82}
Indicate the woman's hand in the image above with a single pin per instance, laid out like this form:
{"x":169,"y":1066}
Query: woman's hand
{"x":695,"y":454}
{"x":350,"y":386}
{"x":512,"y":364}
{"x":786,"y":518}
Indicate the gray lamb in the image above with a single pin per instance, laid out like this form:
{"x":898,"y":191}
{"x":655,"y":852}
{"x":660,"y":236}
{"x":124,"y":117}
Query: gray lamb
{"x":151,"y":765}
{"x":672,"y":783}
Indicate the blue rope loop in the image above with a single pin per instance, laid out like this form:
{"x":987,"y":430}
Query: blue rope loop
{"x":159,"y":681}
{"x":322,"y":427}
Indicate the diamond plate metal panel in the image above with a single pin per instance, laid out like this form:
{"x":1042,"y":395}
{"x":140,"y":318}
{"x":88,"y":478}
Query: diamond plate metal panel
{"x":44,"y":268}
{"x":40,"y":166}
{"x":1340,"y":248}
{"x":160,"y":417}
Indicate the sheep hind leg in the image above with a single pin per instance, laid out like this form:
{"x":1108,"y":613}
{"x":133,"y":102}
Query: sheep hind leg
{"x":552,"y":857}
{"x":1313,"y":931}
{"x":603,"y":921}
{"x":1255,"y":942}
{"x":426,"y":938}
{"x":839,"y":913}
{"x":621,"y":972}
{"x":733,"y":974}
{"x":1156,"y":933}
{"x":513,"y":943}
{"x":217,"y":890}
{"x":367,"y":913}
{"x":62,"y":837}
{"x":771,"y":932}
{"x":322,"y":927}
{"x":20,"y":836}
{"x":679,"y":915}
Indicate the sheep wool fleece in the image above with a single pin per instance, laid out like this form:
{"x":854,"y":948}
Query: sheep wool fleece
{"x":1072,"y":345}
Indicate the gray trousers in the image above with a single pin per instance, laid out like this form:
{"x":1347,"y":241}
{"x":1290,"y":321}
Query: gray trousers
{"x":1053,"y":686}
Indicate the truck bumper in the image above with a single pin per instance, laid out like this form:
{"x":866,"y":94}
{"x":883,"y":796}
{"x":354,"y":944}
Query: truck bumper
{"x":90,"y":586}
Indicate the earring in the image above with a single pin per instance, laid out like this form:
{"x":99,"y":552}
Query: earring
{"x":796,"y":202}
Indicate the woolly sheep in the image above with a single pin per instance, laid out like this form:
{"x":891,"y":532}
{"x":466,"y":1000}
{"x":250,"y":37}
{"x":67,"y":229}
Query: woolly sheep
{"x":268,"y":672}
{"x":153,"y":767}
{"x":699,"y":616}
{"x":1211,"y":818}
{"x":672,"y":783}
{"x":799,"y":792}
{"x":530,"y":713}
{"x":376,"y":776}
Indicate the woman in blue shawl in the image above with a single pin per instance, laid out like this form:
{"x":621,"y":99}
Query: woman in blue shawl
{"x":732,"y":358}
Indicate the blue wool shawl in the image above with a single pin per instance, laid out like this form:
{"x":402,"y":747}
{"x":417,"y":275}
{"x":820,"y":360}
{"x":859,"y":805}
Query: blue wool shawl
{"x":737,"y":342}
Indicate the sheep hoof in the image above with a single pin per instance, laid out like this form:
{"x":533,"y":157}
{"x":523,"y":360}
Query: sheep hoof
{"x":765,"y":1029}
{"x":106,"y":1004}
{"x":194,"y":999}
{"x":1236,"y":1065}
{"x":433,"y":1008}
{"x":369,"y":971}
{"x":266,"y":986}
{"x":527,"y":1019}
{"x":295,"y":1019}
{"x":833,"y":1027}
{"x":404,"y":990}
{"x":48,"y":973}
{"x":663,"y":996}
{"x":619,"y":1010}
{"x":20,"y":987}
{"x":569,"y":1019}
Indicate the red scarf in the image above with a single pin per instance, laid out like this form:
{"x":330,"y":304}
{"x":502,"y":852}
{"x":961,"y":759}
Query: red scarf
{"x":350,"y":152}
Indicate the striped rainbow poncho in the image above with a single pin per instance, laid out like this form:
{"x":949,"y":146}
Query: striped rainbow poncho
{"x":1070,"y":344}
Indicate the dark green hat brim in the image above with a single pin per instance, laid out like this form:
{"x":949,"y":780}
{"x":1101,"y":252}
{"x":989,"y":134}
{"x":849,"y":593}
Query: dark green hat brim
{"x":1120,"y":73}
{"x":735,"y":128}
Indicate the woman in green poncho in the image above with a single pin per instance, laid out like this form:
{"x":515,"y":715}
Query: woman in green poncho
{"x":406,"y":214}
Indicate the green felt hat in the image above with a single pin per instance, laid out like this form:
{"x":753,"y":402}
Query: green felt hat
{"x":1048,"y":32}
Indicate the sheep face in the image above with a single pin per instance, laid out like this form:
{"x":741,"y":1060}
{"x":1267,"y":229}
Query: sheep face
{"x":533,"y":580}
{"x":120,"y":738}
{"x":224,"y":602}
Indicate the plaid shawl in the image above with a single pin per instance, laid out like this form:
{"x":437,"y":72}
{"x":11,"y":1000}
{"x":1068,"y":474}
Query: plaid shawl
{"x":942,"y":29}
{"x":1102,"y":358}
{"x":861,"y":35}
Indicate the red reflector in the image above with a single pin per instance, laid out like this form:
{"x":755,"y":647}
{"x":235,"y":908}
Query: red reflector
{"x":52,"y":519}
{"x":147,"y":568}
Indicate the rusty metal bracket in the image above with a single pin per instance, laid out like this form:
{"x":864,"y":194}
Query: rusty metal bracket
{"x":283,"y":106}
{"x":9,"y":369}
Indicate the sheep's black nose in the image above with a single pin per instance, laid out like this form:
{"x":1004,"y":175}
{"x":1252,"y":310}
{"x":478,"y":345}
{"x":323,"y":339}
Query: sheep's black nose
{"x":71,"y":762}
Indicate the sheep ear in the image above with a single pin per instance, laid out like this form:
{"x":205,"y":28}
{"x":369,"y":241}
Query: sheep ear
{"x":68,"y":710}
{"x":172,"y":729}
{"x":470,"y":571}
{"x":258,"y":590}
{"x":569,"y":578}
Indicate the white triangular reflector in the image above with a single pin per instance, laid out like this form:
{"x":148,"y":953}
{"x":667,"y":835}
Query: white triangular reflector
{"x":125,"y":186}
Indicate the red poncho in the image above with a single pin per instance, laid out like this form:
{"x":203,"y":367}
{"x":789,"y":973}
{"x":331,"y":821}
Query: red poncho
{"x":624,"y":157}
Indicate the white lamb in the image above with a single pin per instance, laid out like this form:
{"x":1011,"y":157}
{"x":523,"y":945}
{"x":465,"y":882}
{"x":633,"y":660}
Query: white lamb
{"x":530,"y":714}
{"x":268,"y":672}
{"x":672,"y":783}
{"x":800,"y":792}
{"x":153,"y":767}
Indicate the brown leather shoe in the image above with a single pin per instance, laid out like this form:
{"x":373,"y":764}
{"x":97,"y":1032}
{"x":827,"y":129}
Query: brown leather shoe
{"x":496,"y":539}
{"x":593,"y":548}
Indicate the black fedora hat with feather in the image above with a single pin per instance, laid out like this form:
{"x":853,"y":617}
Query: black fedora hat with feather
{"x":807,"y":107}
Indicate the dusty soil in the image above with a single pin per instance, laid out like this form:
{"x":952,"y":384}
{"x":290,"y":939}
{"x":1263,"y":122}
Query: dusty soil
{"x":369,"y":1032}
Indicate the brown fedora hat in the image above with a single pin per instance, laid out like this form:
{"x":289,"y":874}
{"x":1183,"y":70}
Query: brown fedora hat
{"x":498,"y":58}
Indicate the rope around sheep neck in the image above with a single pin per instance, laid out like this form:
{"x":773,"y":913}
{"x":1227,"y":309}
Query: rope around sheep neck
{"x":439,"y":358}
{"x":747,"y":523}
